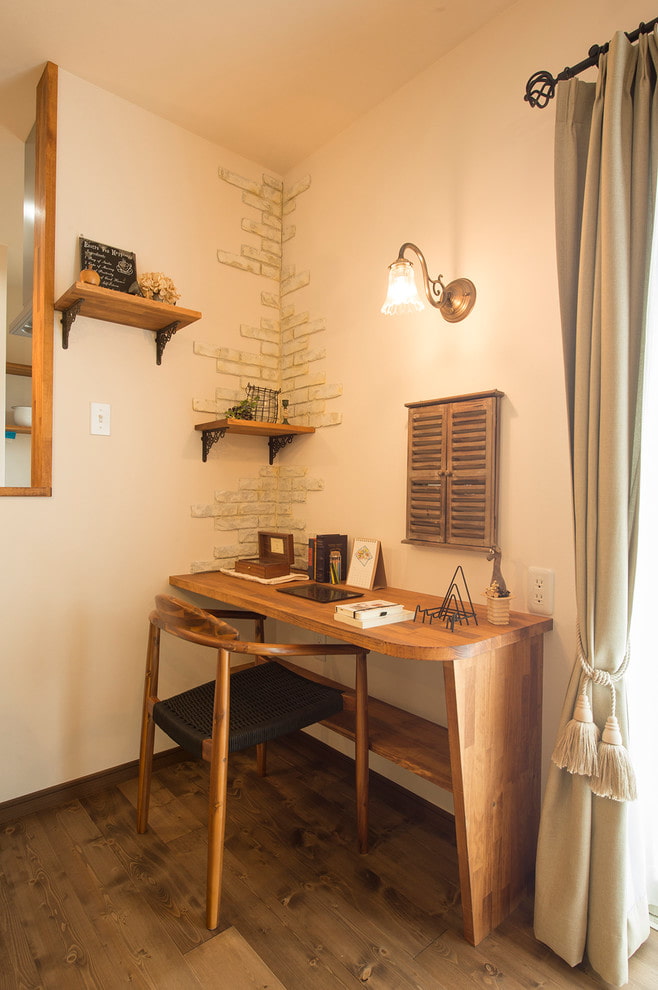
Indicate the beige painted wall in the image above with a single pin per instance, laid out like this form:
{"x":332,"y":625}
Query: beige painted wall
{"x":80,"y":569}
{"x":455,"y":161}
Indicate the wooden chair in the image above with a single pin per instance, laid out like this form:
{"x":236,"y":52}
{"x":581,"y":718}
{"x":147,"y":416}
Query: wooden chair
{"x":246,"y":707}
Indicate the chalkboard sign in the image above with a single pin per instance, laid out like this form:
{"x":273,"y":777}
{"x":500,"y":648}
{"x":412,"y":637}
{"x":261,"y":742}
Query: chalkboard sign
{"x":117,"y":268}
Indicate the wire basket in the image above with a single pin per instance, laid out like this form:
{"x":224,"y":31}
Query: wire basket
{"x":266,"y":403}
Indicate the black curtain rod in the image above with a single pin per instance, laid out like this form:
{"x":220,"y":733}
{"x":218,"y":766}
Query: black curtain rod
{"x":540,"y":88}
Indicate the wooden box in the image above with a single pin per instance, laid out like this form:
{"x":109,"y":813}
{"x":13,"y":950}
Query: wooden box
{"x":276,"y":555}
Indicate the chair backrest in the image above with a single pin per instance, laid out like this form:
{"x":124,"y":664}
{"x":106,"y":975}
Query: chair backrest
{"x":188,"y":622}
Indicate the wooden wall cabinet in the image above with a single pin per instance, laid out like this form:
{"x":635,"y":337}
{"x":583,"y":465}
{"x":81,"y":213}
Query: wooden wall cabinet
{"x":452,"y":471}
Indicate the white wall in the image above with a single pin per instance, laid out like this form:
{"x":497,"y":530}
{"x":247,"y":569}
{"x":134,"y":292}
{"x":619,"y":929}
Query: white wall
{"x":455,"y":161}
{"x":80,"y":569}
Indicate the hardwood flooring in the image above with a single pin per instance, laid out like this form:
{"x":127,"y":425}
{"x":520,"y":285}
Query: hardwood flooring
{"x":86,"y":902}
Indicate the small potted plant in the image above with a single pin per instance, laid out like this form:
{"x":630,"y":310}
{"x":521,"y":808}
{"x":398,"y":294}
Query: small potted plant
{"x":242,"y":410}
{"x":497,"y":594}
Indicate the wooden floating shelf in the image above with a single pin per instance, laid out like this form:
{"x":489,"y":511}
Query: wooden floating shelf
{"x":24,"y":370}
{"x":278,"y":434}
{"x":97,"y":303}
{"x":10,"y":428}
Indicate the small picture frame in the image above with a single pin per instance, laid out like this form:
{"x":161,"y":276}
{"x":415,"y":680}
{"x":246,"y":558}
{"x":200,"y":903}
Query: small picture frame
{"x":276,"y":547}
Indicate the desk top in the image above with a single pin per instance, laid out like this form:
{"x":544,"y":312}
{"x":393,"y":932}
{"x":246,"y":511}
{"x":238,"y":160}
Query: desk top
{"x":406,"y":640}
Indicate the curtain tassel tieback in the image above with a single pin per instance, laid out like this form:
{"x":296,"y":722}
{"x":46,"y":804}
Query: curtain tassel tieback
{"x":579,"y":749}
{"x":576,"y":746}
{"x":615,"y":777}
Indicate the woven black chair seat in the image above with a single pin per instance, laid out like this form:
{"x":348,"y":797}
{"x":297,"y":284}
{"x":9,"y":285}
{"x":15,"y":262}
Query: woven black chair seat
{"x":267,"y":701}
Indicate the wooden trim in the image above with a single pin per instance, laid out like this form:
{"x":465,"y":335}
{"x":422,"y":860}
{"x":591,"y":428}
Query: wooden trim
{"x":43,"y":313}
{"x":44,"y":281}
{"x":493,"y":393}
{"x":30,"y":492}
{"x":74,"y":790}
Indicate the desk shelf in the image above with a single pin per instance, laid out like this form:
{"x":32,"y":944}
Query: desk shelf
{"x":411,"y":742}
{"x":97,"y":303}
{"x":278,"y":434}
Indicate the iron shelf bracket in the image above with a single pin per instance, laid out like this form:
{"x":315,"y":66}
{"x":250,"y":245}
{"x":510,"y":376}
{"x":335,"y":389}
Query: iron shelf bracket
{"x":162,"y":338}
{"x":278,"y":443}
{"x":208,"y":439}
{"x":68,"y":319}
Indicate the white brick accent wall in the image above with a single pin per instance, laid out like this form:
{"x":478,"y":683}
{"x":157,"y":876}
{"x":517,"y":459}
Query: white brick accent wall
{"x":278,"y":355}
{"x":270,"y":502}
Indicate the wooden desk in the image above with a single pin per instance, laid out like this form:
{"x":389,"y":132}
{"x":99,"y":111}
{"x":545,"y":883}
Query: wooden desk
{"x":489,"y":756}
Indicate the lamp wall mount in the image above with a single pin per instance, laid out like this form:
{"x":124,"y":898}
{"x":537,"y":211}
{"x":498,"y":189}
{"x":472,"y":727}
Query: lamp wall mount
{"x":454,"y":300}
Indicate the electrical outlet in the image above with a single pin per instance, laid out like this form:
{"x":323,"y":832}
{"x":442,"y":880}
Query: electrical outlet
{"x":541,"y":590}
{"x":100,"y":419}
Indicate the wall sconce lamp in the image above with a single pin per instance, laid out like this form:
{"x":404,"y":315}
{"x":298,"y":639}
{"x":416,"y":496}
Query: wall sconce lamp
{"x":455,"y":300}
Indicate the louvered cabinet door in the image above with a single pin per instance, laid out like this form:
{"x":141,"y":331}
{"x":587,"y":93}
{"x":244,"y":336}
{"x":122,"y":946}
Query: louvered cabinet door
{"x":426,"y":481}
{"x":471,"y":475}
{"x":452,"y":477}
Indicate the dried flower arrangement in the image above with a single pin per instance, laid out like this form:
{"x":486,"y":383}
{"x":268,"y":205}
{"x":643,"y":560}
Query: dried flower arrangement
{"x":155,"y":285}
{"x":493,"y":590}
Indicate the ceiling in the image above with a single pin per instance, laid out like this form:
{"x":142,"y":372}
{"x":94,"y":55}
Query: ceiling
{"x":269,"y":79}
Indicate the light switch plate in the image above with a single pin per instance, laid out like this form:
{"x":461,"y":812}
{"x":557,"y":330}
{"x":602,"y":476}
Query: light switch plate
{"x":100,"y":419}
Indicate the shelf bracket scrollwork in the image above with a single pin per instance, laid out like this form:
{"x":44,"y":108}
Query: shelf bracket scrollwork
{"x":278,"y":443}
{"x":68,"y":319}
{"x":208,"y":439}
{"x":162,"y":338}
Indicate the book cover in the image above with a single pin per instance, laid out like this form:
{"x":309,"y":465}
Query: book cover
{"x":364,"y":609}
{"x":324,"y":544}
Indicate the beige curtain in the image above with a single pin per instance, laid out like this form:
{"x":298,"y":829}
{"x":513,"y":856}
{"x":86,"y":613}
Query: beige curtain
{"x":606,"y":153}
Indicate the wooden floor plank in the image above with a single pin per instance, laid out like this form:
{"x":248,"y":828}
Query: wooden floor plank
{"x":54,"y":903}
{"x":375,"y":885}
{"x":120,"y":917}
{"x":16,"y":956}
{"x":165,"y":884}
{"x":86,"y":902}
{"x":231,"y":955}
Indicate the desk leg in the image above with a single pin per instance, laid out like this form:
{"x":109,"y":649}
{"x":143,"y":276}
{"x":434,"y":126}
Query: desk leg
{"x":361,"y":750}
{"x":494,"y":729}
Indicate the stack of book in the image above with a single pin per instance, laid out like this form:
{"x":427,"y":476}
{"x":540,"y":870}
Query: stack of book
{"x":375,"y":613}
{"x":320,"y":561}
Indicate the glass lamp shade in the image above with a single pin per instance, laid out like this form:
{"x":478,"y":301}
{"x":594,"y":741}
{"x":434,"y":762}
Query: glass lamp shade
{"x":402,"y":295}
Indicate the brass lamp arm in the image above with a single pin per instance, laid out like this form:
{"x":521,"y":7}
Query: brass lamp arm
{"x":434,"y":294}
{"x":454,"y":300}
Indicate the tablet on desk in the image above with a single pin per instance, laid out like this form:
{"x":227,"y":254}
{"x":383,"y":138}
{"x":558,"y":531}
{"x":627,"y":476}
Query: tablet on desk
{"x":321,"y":592}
